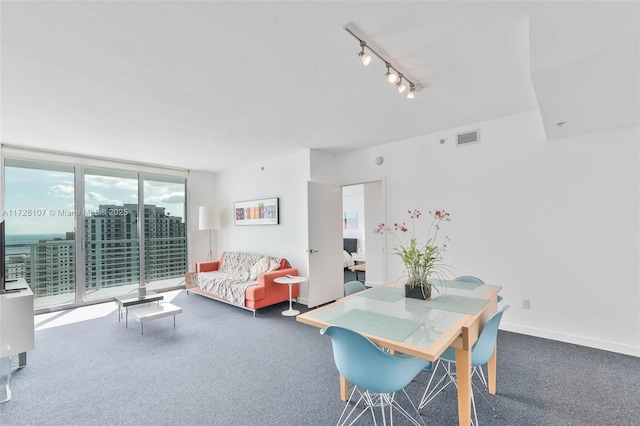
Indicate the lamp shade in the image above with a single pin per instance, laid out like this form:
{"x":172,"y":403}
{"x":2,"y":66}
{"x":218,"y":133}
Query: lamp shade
{"x":209,"y":218}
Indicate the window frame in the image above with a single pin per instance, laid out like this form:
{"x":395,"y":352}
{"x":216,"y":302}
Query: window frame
{"x":25,"y":157}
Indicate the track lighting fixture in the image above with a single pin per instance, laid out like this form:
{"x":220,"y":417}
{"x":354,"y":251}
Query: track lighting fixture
{"x":393,"y":75}
{"x":362,"y":55}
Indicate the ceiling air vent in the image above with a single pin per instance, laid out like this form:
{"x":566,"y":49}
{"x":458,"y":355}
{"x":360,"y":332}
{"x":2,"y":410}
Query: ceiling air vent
{"x":468,"y":137}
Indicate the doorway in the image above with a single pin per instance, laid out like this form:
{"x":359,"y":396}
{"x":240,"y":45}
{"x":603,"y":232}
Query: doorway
{"x":363,"y":209}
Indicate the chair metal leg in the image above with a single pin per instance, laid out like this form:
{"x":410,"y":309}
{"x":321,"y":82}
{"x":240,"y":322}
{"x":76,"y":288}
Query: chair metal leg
{"x":438,"y":387}
{"x":383,"y":399}
{"x":473,"y":405}
{"x":485,"y":398}
{"x":367,"y":401}
{"x":372,"y":400}
{"x":480,"y":373}
{"x":476,"y":371}
{"x":415,"y":409}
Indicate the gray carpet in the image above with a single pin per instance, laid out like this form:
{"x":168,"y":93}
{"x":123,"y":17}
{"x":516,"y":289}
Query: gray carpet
{"x":221,"y":366}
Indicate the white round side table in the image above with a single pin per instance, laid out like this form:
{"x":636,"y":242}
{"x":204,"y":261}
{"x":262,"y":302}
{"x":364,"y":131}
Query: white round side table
{"x":288,"y":279}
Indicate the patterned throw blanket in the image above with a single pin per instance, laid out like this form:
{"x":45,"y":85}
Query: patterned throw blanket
{"x":231,"y":280}
{"x":225,"y":286}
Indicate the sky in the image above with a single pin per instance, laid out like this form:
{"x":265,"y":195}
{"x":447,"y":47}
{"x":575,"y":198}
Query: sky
{"x":42,"y":201}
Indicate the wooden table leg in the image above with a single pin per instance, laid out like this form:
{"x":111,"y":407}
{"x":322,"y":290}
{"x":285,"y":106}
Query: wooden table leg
{"x":491,"y":372}
{"x":463,"y":371}
{"x":344,"y":389}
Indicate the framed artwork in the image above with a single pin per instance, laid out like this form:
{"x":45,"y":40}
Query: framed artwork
{"x":257,"y":212}
{"x":351,"y":220}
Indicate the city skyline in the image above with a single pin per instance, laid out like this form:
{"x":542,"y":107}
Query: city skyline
{"x":111,"y":246}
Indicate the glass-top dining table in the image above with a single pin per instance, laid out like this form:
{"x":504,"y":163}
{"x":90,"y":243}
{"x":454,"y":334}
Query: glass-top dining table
{"x":453,"y":317}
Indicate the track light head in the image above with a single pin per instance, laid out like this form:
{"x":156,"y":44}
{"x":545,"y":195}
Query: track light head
{"x":363,"y":56}
{"x":412,"y":91}
{"x":400,"y":85}
{"x":392,"y":77}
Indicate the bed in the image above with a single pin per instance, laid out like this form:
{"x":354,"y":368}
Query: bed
{"x":349,"y":245}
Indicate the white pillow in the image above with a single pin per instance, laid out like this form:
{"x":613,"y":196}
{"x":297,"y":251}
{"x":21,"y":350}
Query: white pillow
{"x":274,"y":265}
{"x":348,"y":260}
{"x":260,"y":267}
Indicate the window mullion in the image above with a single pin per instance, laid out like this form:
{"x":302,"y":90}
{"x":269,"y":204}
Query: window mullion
{"x":81,"y":291}
{"x":141,"y":223}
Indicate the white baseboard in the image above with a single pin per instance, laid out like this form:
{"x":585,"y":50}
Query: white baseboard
{"x":569,"y":338}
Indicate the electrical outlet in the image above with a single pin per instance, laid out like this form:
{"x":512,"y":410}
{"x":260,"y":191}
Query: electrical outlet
{"x":526,"y":303}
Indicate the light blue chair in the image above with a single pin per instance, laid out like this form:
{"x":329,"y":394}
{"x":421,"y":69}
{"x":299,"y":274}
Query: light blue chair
{"x":375,"y":374}
{"x":475,"y":280}
{"x":480,"y":354}
{"x":352,"y":287}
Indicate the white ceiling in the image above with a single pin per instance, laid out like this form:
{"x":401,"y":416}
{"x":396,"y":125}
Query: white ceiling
{"x":211,"y":85}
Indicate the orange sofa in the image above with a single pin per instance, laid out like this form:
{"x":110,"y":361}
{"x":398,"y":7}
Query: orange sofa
{"x":240,"y":279}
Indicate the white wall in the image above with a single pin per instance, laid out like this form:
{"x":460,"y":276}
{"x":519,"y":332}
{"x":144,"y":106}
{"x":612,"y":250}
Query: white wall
{"x":286,"y":178}
{"x":553,"y":221}
{"x":201,"y":191}
{"x":376,"y":246}
{"x":323,"y":167}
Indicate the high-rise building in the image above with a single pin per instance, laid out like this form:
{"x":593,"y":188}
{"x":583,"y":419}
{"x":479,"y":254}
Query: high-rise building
{"x":54,"y":267}
{"x":112,"y":254}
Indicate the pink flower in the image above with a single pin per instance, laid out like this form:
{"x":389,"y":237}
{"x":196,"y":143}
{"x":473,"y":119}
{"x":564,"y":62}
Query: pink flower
{"x":422,"y":258}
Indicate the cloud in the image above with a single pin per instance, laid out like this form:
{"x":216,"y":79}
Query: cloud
{"x":93,"y":200}
{"x":160,"y":193}
{"x":111,"y":182}
{"x":62,"y":191}
{"x":162,"y":199}
{"x":61,"y":175}
{"x":165,"y":194}
{"x":173,"y":198}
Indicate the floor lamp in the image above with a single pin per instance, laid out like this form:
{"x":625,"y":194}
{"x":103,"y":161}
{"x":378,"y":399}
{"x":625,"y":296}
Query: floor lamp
{"x":209,"y":220}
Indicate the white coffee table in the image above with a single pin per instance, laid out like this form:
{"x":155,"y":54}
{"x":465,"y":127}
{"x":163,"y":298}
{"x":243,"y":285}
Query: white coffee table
{"x":153,"y":311}
{"x":290,"y":280}
{"x":128,"y":301}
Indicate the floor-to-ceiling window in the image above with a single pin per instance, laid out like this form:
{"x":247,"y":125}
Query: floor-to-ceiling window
{"x":165,"y":236}
{"x":112,"y":251}
{"x":107,"y":228}
{"x":39,"y":213}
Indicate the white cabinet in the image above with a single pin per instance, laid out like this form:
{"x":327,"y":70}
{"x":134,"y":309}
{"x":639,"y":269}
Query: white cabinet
{"x":16,"y":332}
{"x":16,"y":320}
